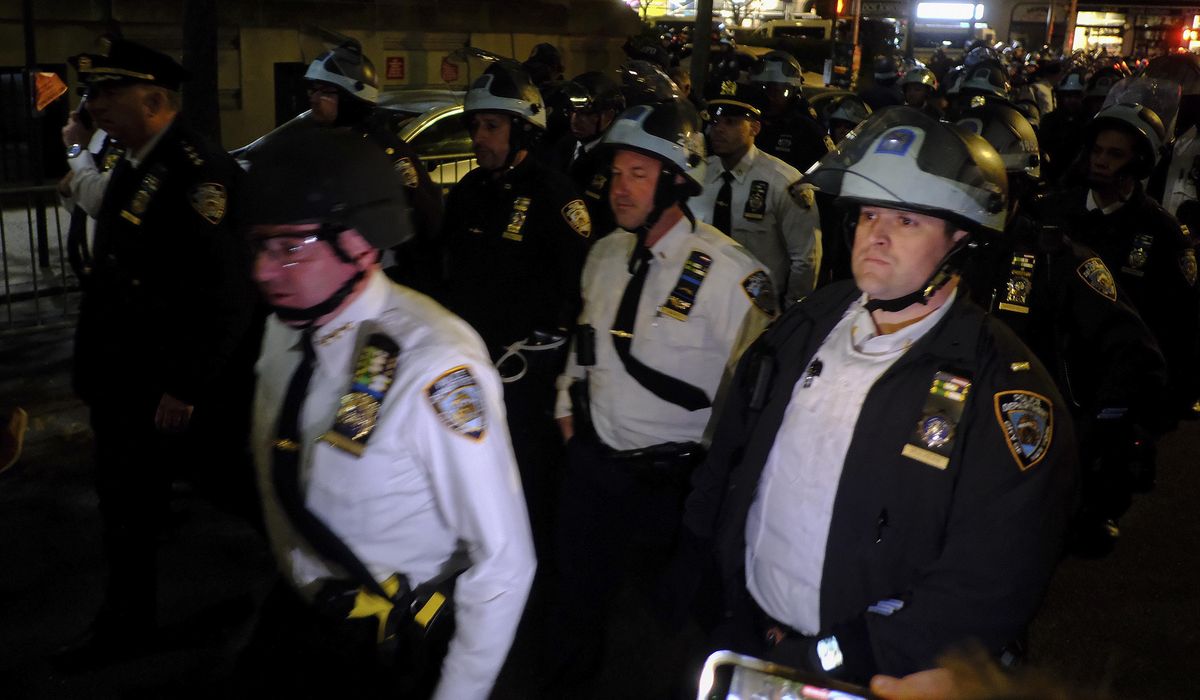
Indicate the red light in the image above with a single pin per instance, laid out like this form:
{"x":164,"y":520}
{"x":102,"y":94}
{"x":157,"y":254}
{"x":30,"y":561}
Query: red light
{"x":841,"y":5}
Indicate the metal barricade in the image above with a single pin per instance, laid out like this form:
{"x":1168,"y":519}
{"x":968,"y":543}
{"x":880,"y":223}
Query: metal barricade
{"x":40,"y":290}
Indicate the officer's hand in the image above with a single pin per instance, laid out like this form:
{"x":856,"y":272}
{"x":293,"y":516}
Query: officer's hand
{"x":933,"y":684}
{"x":566,"y":425}
{"x":64,"y":185}
{"x":172,"y":415}
{"x":75,"y":132}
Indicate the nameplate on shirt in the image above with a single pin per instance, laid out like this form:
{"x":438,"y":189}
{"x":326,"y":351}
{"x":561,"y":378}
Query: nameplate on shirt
{"x":933,"y":439}
{"x":358,"y":409}
{"x":683,"y":297}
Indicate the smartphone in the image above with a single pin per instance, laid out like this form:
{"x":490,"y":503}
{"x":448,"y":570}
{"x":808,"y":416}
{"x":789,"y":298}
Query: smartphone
{"x":730,"y":676}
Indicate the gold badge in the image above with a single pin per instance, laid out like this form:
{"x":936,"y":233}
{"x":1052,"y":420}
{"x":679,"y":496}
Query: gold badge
{"x":210,"y":201}
{"x":515,"y":222}
{"x":408,"y":172}
{"x":1187,"y":265}
{"x":576,"y":215}
{"x":358,"y":409}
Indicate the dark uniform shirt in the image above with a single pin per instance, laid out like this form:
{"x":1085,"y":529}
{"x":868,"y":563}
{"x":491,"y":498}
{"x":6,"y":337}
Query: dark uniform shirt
{"x":795,"y":137}
{"x":935,"y":537}
{"x":169,"y":299}
{"x":1153,"y":259}
{"x":515,"y":247}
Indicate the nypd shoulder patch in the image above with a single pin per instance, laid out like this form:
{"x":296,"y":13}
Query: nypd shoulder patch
{"x":1097,"y":276}
{"x":758,"y":287}
{"x":1027,"y":421}
{"x":803,"y":194}
{"x":210,"y":201}
{"x":458,"y":401}
{"x":576,"y":215}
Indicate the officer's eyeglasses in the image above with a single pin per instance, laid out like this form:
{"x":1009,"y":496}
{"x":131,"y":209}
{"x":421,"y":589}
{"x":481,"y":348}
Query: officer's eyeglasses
{"x":286,"y":251}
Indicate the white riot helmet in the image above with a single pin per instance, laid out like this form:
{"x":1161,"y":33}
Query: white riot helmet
{"x":778,"y":67}
{"x":670,"y":132}
{"x":1009,"y":132}
{"x":346,"y":67}
{"x":506,"y":87}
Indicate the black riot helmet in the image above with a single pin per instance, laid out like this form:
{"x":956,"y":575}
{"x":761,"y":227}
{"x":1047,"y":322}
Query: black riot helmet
{"x":902,"y":158}
{"x":328,"y":176}
{"x":598,"y":92}
{"x":643,"y":83}
{"x":1010,"y":133}
{"x":885,"y":70}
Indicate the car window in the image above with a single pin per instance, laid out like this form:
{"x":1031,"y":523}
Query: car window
{"x":446,"y":136}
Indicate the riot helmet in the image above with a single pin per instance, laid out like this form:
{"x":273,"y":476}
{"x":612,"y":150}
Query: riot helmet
{"x":643,"y":83}
{"x":506,"y":88}
{"x":332,"y":177}
{"x":885,"y":69}
{"x":987,"y":78}
{"x":778,"y":67}
{"x":902,"y":158}
{"x":598,"y":92}
{"x":1007,"y":130}
{"x":920,"y":76}
{"x":1142,"y":124}
{"x":669,"y":132}
{"x":349,"y":69}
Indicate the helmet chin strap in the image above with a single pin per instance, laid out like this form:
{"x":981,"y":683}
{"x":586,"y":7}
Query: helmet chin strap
{"x":308,"y":315}
{"x":945,"y":271}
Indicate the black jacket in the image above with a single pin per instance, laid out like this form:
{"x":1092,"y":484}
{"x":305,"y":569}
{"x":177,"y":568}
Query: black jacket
{"x":515,"y":247}
{"x":968,"y":548}
{"x":170,"y":298}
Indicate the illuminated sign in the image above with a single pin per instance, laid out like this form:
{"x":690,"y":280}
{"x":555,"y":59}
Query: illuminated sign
{"x":960,"y":11}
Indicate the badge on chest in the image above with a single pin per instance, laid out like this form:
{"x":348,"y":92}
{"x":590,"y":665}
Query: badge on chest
{"x":933,"y":439}
{"x":756,"y":201}
{"x":358,"y":409}
{"x":1019,"y":285}
{"x":516,"y":220}
{"x":1139,"y":255}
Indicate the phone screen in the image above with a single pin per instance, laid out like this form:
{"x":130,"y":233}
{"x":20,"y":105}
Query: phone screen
{"x":730,"y":676}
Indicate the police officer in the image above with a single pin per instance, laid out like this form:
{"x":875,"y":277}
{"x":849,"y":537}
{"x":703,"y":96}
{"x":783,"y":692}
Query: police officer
{"x":790,"y":129}
{"x":668,"y":304}
{"x":920,"y":88}
{"x":382,"y":455}
{"x":883,"y":92}
{"x":596,"y":100}
{"x":1061,"y":131}
{"x":515,"y":236}
{"x":1064,"y":304}
{"x":876,"y":434}
{"x":984,"y":81}
{"x":165,"y":311}
{"x":842,"y":113}
{"x":1151,"y":256}
{"x":343,"y":91}
{"x":757,"y":199}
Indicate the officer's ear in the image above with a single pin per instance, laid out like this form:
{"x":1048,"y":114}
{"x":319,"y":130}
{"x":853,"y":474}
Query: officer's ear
{"x":755,"y":127}
{"x":362,"y":253}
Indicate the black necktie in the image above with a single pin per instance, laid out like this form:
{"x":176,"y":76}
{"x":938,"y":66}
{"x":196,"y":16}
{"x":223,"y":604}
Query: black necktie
{"x":664,"y":387}
{"x":285,"y":473}
{"x":721,"y":217}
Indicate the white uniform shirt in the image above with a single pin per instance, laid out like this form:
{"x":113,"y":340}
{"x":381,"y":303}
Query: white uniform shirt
{"x":787,"y":237}
{"x":1179,"y":186}
{"x":788,"y":524}
{"x":722,"y":322}
{"x":87,"y":181}
{"x":423,"y":495}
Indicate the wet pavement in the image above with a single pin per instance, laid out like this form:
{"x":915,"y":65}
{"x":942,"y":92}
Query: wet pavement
{"x":1129,"y":622}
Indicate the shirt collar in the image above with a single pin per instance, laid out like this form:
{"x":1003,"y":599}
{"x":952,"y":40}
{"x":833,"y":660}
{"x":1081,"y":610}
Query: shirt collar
{"x":1091,"y":204}
{"x":336,"y":339}
{"x":675,"y":238}
{"x":865,"y":338}
{"x":740,"y":170}
{"x":136,"y":159}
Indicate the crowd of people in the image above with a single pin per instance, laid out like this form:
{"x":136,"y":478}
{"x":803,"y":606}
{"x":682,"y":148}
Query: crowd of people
{"x":837,"y":378}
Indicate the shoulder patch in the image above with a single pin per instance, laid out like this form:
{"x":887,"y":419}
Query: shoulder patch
{"x":1097,"y":276}
{"x":210,"y":201}
{"x":1027,"y":420}
{"x":576,"y":215}
{"x":457,"y":400}
{"x":758,"y":287}
{"x":1187,"y":265}
{"x":803,"y":194}
{"x":358,"y":409}
{"x":408,"y":171}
